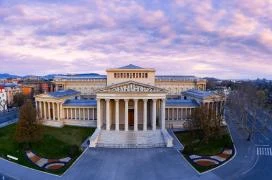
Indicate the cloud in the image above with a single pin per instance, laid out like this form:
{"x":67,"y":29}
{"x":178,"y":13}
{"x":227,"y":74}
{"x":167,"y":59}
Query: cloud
{"x":226,"y":39}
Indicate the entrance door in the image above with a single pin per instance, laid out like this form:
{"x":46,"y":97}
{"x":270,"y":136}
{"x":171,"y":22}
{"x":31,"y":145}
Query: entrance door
{"x":131,"y":117}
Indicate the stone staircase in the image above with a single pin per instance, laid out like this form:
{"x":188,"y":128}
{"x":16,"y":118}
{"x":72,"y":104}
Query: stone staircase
{"x":131,"y":139}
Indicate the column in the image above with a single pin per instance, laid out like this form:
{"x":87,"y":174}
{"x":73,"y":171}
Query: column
{"x":154,"y":114}
{"x":44,"y":111}
{"x":88,"y":110}
{"x":75,"y":117}
{"x":40,"y":107}
{"x":117,"y":114}
{"x":177,"y":113}
{"x":163,"y":114}
{"x":108,"y":114}
{"x":61,"y":111}
{"x":135,"y":114}
{"x":84,"y":115}
{"x":58,"y":111}
{"x":98,"y":114}
{"x":126,"y":114}
{"x":37,"y":108}
{"x":173,"y":114}
{"x":168,"y":118}
{"x":79,"y":113}
{"x":48,"y":110}
{"x":145,"y":114}
{"x":54,"y":113}
{"x":93,"y":113}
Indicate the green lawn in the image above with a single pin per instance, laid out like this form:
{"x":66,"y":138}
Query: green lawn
{"x":194,"y":145}
{"x":55,"y":143}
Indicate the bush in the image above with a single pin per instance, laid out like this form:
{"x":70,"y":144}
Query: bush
{"x":74,"y":151}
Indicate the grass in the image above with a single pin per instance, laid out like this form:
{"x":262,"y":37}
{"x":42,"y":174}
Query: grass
{"x":194,"y":145}
{"x":55,"y":143}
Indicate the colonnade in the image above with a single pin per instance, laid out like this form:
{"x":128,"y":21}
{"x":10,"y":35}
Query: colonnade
{"x":126,"y":108}
{"x":217,"y":106}
{"x":49,"y":110}
{"x":80,"y":113}
{"x":178,"y":113}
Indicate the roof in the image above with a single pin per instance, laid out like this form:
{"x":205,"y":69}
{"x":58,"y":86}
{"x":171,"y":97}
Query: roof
{"x":81,"y":77}
{"x":130,"y":66}
{"x":9,"y":85}
{"x":198,"y":94}
{"x":81,"y":102}
{"x":175,"y":78}
{"x":63,"y":93}
{"x":182,"y":102}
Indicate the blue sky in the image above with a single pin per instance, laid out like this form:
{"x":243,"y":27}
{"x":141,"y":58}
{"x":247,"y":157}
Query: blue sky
{"x":224,"y":39}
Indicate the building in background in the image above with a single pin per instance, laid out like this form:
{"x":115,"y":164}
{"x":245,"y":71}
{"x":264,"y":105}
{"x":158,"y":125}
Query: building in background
{"x":11,"y":90}
{"x":3,"y":99}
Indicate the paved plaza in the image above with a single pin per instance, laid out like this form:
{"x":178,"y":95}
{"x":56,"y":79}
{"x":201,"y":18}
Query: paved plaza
{"x":119,"y":164}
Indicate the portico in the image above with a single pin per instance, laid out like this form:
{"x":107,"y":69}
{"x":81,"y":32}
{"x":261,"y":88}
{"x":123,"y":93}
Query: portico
{"x":131,"y":106}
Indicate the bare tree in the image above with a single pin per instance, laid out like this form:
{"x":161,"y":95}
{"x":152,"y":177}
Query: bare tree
{"x":247,"y":102}
{"x":207,"y":121}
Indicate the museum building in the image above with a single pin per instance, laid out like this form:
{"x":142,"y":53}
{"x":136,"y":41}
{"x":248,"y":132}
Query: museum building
{"x":130,"y":106}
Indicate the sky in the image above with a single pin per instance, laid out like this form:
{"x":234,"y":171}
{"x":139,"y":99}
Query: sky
{"x":228,"y":39}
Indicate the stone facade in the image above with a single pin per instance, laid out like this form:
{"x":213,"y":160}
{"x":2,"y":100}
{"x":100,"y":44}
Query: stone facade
{"x":128,"y":99}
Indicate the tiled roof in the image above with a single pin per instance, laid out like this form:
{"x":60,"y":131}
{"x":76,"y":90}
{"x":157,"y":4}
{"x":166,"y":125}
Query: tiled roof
{"x":130,"y":66}
{"x":81,"y":102}
{"x":63,"y":93}
{"x":181,"y":102}
{"x":198,"y":93}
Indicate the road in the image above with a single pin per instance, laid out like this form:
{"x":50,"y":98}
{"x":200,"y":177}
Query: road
{"x":8,"y":117}
{"x":262,"y":140}
{"x":254,"y":158}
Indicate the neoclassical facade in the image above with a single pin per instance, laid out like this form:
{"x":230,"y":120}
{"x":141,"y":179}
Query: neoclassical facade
{"x":128,"y":99}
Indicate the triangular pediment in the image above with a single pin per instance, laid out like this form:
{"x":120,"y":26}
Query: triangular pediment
{"x":43,"y":96}
{"x":131,"y":87}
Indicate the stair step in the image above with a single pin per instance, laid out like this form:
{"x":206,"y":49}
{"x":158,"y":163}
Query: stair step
{"x":130,"y":139}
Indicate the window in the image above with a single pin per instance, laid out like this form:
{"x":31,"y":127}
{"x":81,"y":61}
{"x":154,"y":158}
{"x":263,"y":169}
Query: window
{"x":127,"y":75}
{"x":140,"y":75}
{"x":133,"y":75}
{"x":114,"y":75}
{"x":146,"y":75}
{"x":137,"y":75}
{"x":121,"y":75}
